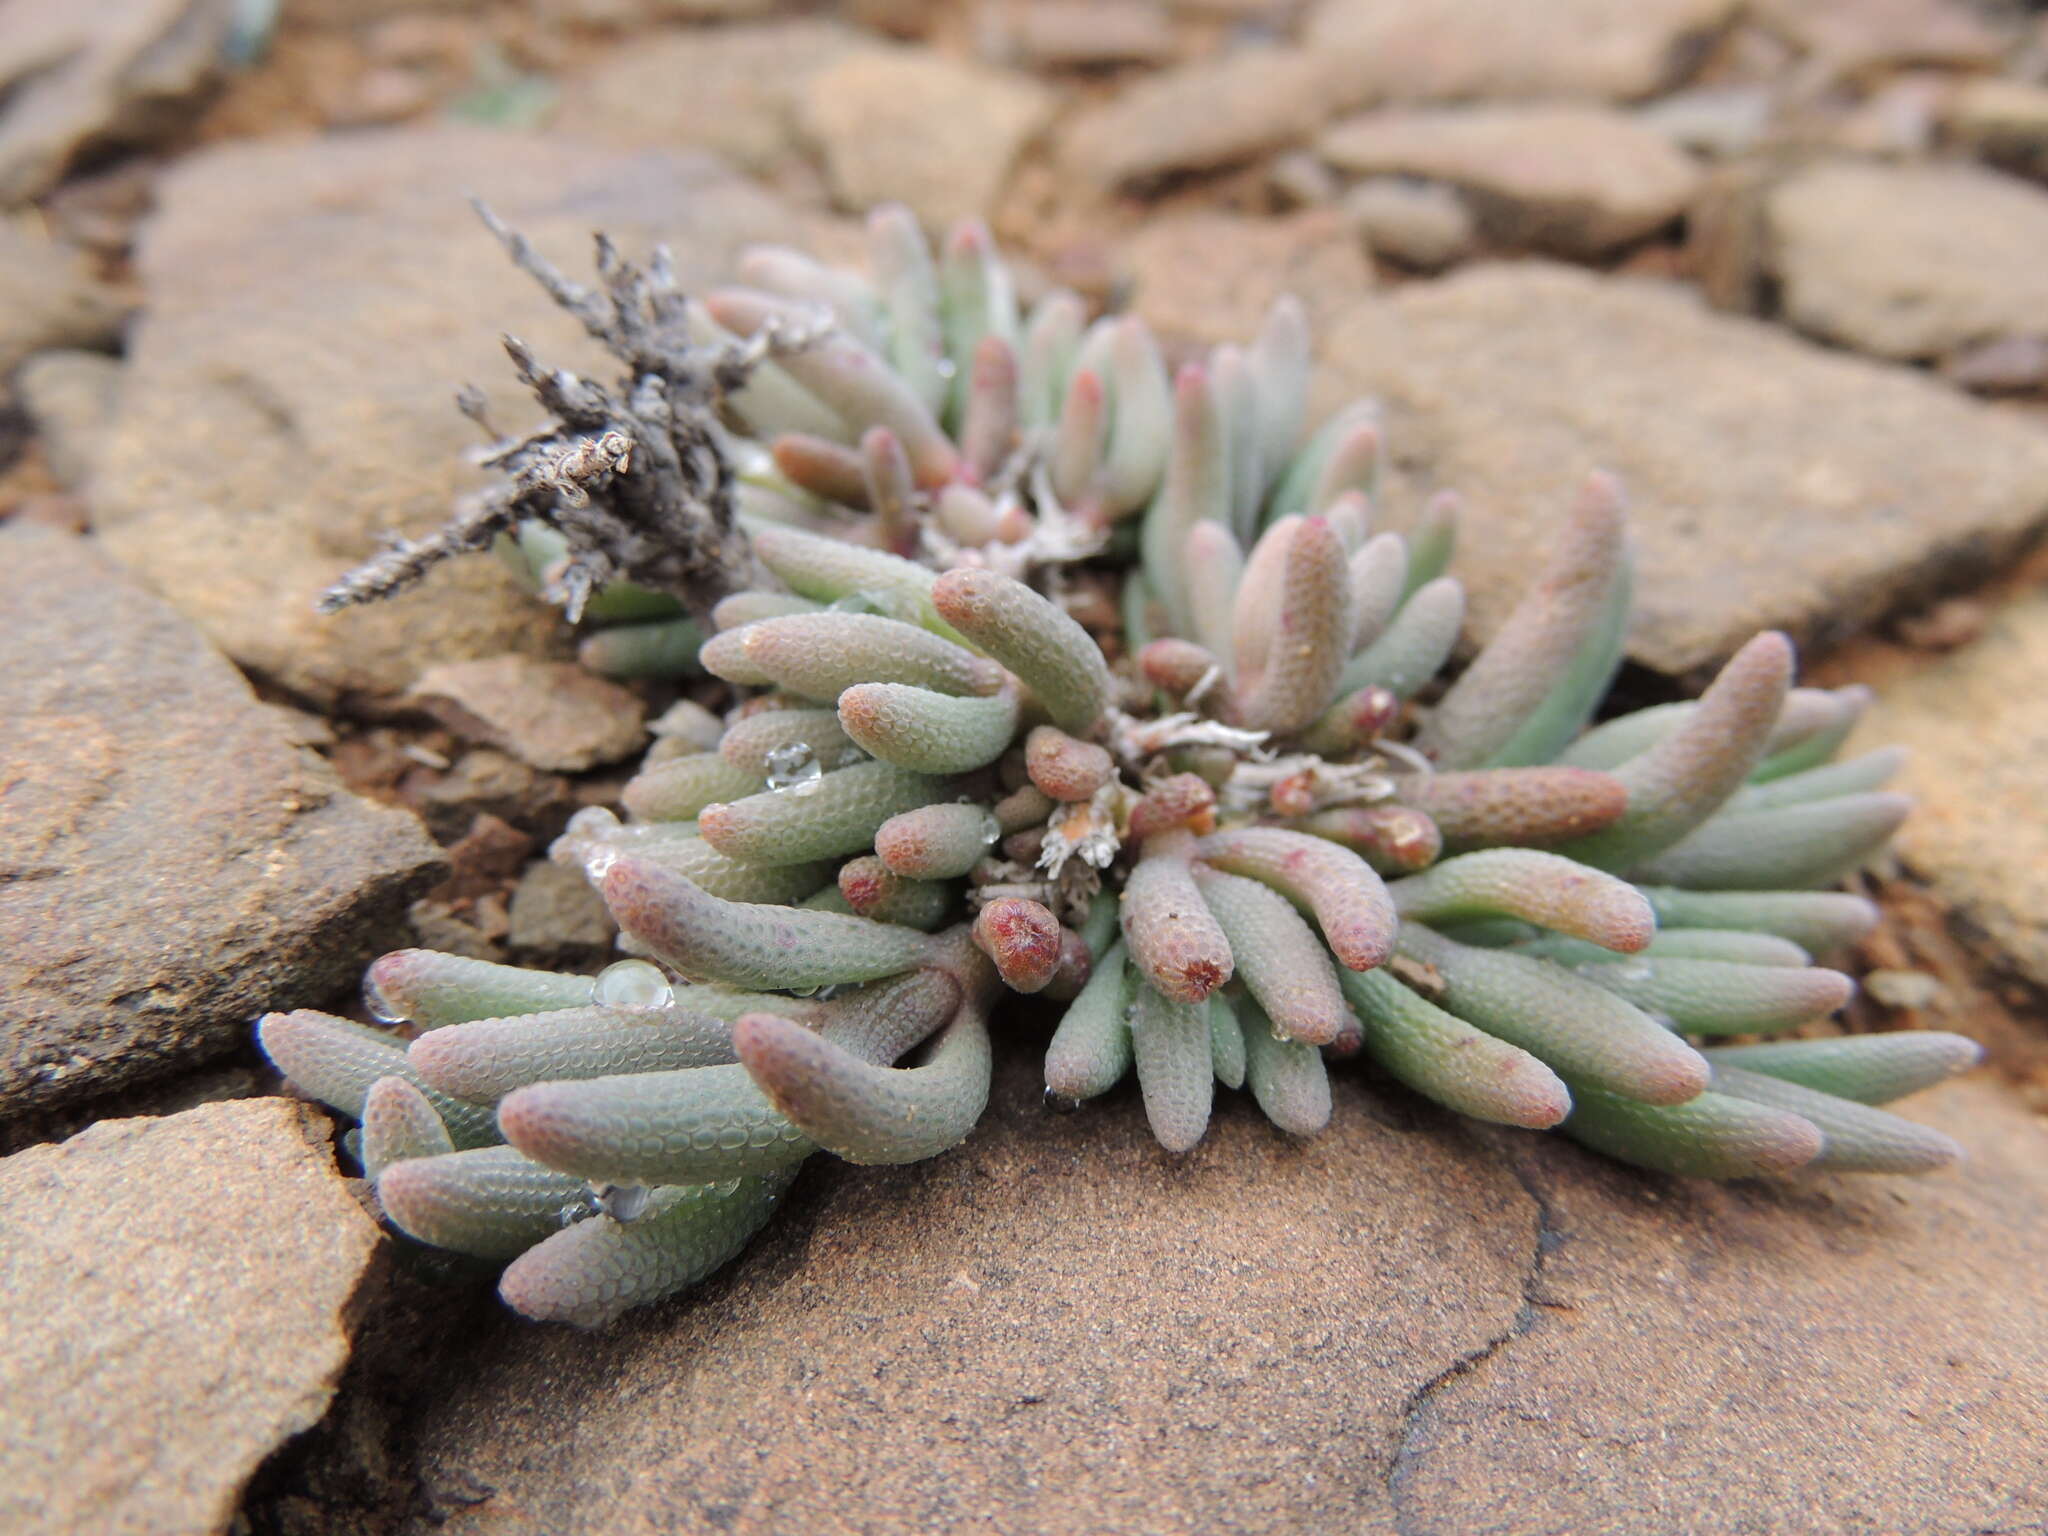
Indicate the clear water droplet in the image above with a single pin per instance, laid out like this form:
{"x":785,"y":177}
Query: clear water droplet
{"x":794,"y":767}
{"x":377,"y":1005}
{"x":725,"y":1187}
{"x":624,"y":1202}
{"x":597,"y":862}
{"x":631,"y":984}
{"x":945,"y":367}
{"x":1059,"y":1103}
{"x":991,"y":830}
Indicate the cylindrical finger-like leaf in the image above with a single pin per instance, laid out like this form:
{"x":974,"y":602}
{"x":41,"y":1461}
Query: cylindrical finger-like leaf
{"x":594,"y":1271}
{"x":492,"y":1202}
{"x":1443,"y":1058}
{"x":836,"y":814}
{"x":1788,"y":847}
{"x":828,"y":570}
{"x":430,"y":989}
{"x":1350,"y":902}
{"x":1718,"y":997}
{"x":1197,"y":485}
{"x":1522,"y":807}
{"x":747,"y":945}
{"x":822,"y":654}
{"x":1393,"y":839}
{"x":1174,"y":940}
{"x":778,"y":739}
{"x":1175,"y":1056}
{"x":846,"y":376}
{"x":1533,"y":651}
{"x":665,"y":649}
{"x":1226,"y":1042}
{"x":1681,"y":781}
{"x":1065,"y":768}
{"x":1817,"y":921}
{"x":1710,"y":1137}
{"x":1859,"y":1139}
{"x":873,"y":890}
{"x":1032,"y":636}
{"x":487,"y":1058}
{"x":1585,"y":1034}
{"x":1023,"y":938}
{"x":927,"y":732}
{"x":399,"y":1123}
{"x":700,"y":1123}
{"x":1676,"y":943}
{"x":1542,"y":888}
{"x":1415,"y":645}
{"x":1871,"y":1069}
{"x":1310,"y":640}
{"x":937,"y":842}
{"x":866,"y":1113}
{"x":1859,"y":775}
{"x":337,"y":1062}
{"x":1286,"y":1077}
{"x":1278,"y":957}
{"x":1091,"y":1050}
{"x":681,"y":787}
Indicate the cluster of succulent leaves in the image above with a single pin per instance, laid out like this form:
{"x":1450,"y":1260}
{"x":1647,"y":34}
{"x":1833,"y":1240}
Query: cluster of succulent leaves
{"x":1237,"y":856}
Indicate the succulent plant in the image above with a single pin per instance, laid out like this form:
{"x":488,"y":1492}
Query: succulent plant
{"x":1239,"y":855}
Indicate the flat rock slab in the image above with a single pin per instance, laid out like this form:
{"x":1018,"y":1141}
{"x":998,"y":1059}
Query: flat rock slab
{"x":1976,"y":723}
{"x":179,"y":1293}
{"x":1210,"y":277}
{"x":172,"y":859}
{"x":49,"y":298}
{"x":1059,"y":1329}
{"x":1453,"y":50}
{"x":1909,"y":261}
{"x":911,"y":126}
{"x":91,"y":74}
{"x":1771,"y":483}
{"x":733,"y":90}
{"x":1202,"y":115}
{"x":552,"y":715}
{"x":312,"y":308}
{"x":1578,"y":180}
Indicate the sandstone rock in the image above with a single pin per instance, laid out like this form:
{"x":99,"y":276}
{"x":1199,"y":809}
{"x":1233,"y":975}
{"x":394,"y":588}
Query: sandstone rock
{"x":915,"y":127}
{"x":1210,"y":277}
{"x":1855,"y":36}
{"x":312,"y":308}
{"x":171,"y":860}
{"x":1910,"y":261}
{"x":1819,"y":1356}
{"x":1977,"y":725}
{"x":96,"y":74}
{"x":1418,"y":223}
{"x":1446,"y":50}
{"x":1070,"y":34}
{"x":551,"y":714}
{"x":71,"y":397}
{"x":1057,"y":1330}
{"x":1578,"y":180}
{"x":557,"y":917}
{"x":1719,"y":121}
{"x":180,"y":1293}
{"x":1202,"y":116}
{"x":733,"y":90}
{"x":1771,"y":483}
{"x":48,"y":298}
{"x":2003,"y":121}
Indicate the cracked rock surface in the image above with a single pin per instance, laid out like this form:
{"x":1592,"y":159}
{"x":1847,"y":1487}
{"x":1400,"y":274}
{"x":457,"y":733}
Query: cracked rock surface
{"x":1408,"y":1326}
{"x":179,"y":1292}
{"x":172,"y":858}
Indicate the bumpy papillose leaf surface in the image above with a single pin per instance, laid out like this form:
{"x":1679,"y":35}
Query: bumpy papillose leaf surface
{"x":1247,"y":851}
